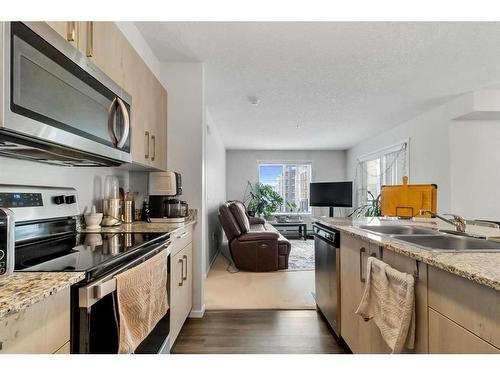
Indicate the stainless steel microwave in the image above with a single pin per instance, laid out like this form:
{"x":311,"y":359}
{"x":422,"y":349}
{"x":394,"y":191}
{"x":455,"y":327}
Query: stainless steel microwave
{"x":56,"y":106}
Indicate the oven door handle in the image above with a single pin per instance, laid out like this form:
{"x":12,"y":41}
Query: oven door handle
{"x":104,"y":289}
{"x":92,"y":293}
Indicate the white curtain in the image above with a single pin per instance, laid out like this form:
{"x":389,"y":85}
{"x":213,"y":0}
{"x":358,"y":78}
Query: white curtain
{"x":382,"y":168}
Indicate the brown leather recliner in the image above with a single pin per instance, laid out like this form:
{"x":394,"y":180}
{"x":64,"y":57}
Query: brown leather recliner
{"x":255,"y":245}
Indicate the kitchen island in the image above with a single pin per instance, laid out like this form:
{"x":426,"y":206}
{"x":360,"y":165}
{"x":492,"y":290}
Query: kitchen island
{"x":482,"y":268}
{"x":457,"y":294}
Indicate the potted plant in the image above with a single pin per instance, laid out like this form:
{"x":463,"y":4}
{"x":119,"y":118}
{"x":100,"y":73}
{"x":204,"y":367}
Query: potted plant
{"x":262,"y":200}
{"x":373,"y":207}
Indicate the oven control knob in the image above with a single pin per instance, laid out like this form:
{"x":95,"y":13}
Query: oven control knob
{"x":70,"y":199}
{"x":59,"y":199}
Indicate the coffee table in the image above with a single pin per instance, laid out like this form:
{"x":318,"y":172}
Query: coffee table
{"x":301,"y":226}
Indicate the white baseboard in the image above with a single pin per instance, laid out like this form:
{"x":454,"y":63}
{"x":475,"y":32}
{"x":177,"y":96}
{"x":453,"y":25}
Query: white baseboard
{"x":197,"y":313}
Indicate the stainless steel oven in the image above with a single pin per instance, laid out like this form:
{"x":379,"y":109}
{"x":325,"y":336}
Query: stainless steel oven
{"x":95,"y":324}
{"x":56,"y":106}
{"x":47,"y":240}
{"x":7,"y":252}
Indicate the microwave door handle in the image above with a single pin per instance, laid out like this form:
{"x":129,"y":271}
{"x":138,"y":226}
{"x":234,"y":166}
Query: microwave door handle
{"x":111,"y":121}
{"x":126,"y":123}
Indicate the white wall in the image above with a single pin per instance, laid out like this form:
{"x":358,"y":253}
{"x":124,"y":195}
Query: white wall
{"x":429,"y":135}
{"x":242,"y":166}
{"x":186,"y":151}
{"x":89,"y":182}
{"x":216,"y":188}
{"x":475,"y":169}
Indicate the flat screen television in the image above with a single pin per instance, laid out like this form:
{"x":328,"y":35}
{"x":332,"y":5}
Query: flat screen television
{"x":331,"y":194}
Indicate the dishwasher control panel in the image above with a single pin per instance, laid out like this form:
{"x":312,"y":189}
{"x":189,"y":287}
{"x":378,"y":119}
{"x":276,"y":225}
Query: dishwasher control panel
{"x":329,"y":234}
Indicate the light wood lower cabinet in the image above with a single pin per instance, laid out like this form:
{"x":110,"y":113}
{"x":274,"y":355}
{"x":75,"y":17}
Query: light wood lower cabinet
{"x":181,"y":281}
{"x":447,"y":337}
{"x":42,"y":328}
{"x":473,"y":307}
{"x":353,"y":329}
{"x":453,"y":314}
{"x":364,"y":337}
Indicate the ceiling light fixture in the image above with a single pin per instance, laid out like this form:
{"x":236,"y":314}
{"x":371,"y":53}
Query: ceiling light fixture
{"x":254,"y":100}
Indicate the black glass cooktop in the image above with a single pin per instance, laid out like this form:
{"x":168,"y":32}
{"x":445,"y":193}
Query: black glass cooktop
{"x":82,"y":252}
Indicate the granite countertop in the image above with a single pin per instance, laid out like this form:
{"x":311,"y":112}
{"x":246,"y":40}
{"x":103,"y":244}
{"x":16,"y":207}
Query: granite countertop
{"x":143,"y":227}
{"x":483,"y":268}
{"x":22,"y":289}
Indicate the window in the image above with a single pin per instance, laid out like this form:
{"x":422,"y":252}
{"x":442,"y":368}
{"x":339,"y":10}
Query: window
{"x":385,"y":167}
{"x":291,"y":181}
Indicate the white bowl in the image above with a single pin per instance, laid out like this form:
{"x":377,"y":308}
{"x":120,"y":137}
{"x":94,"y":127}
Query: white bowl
{"x":93,"y":221}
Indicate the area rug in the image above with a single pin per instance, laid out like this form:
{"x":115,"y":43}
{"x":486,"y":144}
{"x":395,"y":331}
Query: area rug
{"x":301,"y":255}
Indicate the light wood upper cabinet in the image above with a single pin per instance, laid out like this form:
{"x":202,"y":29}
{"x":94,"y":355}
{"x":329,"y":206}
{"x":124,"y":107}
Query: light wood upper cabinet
{"x":160,"y":126}
{"x":136,"y":84}
{"x":69,"y":30}
{"x":105,"y":45}
{"x":149,"y":112}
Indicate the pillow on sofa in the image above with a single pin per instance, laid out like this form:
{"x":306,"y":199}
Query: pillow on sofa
{"x":238,"y":210}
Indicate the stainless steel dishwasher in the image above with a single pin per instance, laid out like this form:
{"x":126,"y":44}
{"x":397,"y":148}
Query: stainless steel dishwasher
{"x":327,"y":273}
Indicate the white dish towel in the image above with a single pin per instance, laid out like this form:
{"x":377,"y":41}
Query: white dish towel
{"x":389,"y":299}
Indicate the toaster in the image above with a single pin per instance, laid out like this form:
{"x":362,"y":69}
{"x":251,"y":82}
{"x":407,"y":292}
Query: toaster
{"x":7,"y":243}
{"x":165,"y":183}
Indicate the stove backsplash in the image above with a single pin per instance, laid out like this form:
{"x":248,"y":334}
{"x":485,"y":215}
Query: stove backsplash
{"x":89,"y":182}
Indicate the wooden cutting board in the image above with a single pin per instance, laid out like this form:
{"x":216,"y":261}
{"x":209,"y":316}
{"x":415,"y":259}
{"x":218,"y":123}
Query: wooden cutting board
{"x":407,"y":200}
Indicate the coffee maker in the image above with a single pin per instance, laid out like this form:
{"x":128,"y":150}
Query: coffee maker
{"x":164,"y":204}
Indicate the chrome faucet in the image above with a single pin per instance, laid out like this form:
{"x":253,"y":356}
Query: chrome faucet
{"x":457,"y":221}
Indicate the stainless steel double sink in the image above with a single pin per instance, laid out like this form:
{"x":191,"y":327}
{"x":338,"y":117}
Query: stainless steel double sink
{"x":433,"y":239}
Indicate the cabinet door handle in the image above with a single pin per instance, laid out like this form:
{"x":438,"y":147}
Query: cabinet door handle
{"x":71,"y":34}
{"x":146,"y":144}
{"x":181,"y":261}
{"x":361,"y":252}
{"x":186,"y":275}
{"x":90,"y":39}
{"x":182,"y":235}
{"x":153,"y":139}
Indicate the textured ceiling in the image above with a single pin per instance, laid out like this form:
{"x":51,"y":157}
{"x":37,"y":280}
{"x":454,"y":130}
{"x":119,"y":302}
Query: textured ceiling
{"x":327,"y":85}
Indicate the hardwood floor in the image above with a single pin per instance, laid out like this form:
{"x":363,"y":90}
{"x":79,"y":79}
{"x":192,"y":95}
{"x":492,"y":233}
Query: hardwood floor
{"x":257,"y":332}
